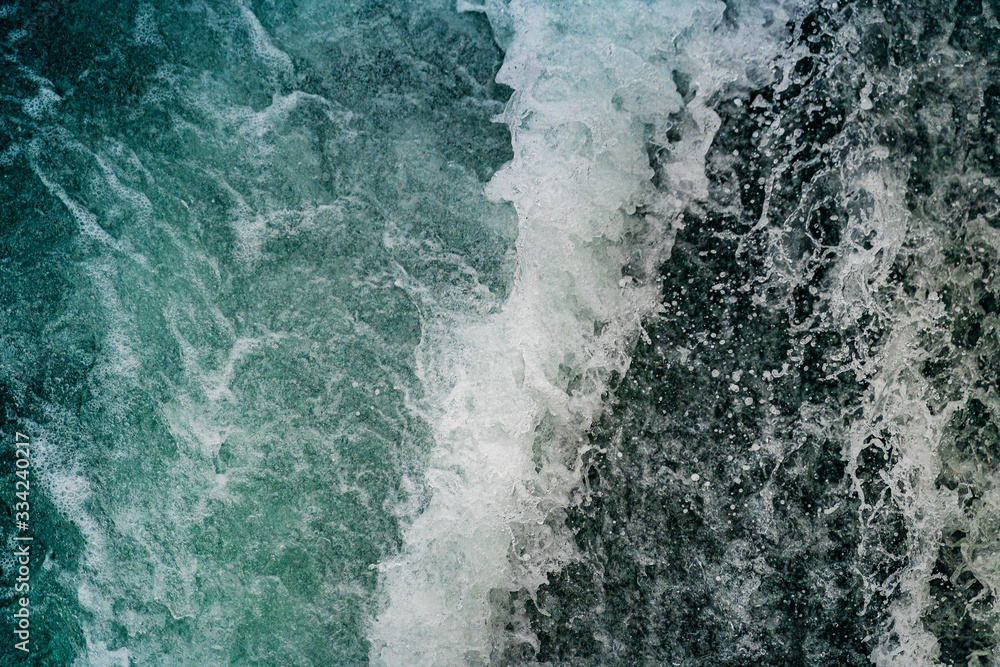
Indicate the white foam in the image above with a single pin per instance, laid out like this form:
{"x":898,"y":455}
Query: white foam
{"x":145,"y":30}
{"x":9,"y":154}
{"x":905,"y":414}
{"x":88,"y":224}
{"x":273,"y":58}
{"x":42,"y":104}
{"x":587,"y":84}
{"x":249,"y":226}
{"x":98,"y":655}
{"x":141,"y":207}
{"x":254,"y":216}
{"x":895,"y":406}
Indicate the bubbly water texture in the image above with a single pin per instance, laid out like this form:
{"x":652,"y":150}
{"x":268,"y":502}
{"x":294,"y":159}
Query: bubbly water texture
{"x":518,"y":332}
{"x":800,"y":464}
{"x":510,"y":395}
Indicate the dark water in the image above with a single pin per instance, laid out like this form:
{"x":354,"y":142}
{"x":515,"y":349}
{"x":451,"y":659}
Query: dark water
{"x":611,"y":333}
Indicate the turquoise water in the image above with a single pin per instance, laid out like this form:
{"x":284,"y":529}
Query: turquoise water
{"x":524,"y":333}
{"x":221,"y":226}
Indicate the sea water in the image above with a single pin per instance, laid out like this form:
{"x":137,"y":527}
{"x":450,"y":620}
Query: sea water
{"x":515,"y":332}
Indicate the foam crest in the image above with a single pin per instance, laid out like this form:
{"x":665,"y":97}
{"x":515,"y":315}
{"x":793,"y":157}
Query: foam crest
{"x":510,"y":394}
{"x":98,"y":655}
{"x":87,"y":222}
{"x":60,"y":475}
{"x":938,"y":485}
{"x":895,"y":442}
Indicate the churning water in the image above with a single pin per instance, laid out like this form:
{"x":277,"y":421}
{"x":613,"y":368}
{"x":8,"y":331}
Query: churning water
{"x":530,"y":332}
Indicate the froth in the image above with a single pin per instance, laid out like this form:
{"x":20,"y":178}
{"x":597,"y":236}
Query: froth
{"x":276,"y":60}
{"x":98,"y":655}
{"x":509,"y":395}
{"x":145,"y":31}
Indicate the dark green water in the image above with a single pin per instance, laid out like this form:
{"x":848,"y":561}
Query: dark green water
{"x":536,"y":332}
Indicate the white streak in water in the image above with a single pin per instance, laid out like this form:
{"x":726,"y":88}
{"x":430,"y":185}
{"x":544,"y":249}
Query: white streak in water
{"x":276,"y":60}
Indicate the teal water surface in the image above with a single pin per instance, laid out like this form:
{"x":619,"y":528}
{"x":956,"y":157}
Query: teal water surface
{"x":207,"y":213}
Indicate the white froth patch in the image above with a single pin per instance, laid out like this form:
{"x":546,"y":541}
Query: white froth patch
{"x":86,"y":221}
{"x":98,"y":655}
{"x":587,"y":85}
{"x":145,"y":30}
{"x":895,"y":407}
{"x":257,"y":124}
{"x":139,"y":205}
{"x":862,"y":273}
{"x":88,"y":224}
{"x":248,"y":226}
{"x":273,"y":58}
{"x":43,"y":104}
{"x":121,"y":359}
{"x":266,"y":135}
{"x":59,"y":475}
